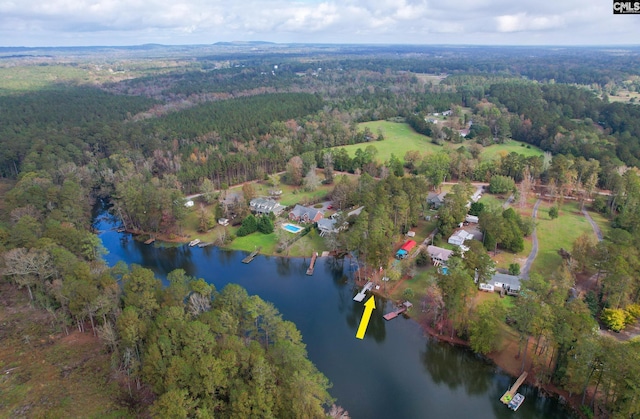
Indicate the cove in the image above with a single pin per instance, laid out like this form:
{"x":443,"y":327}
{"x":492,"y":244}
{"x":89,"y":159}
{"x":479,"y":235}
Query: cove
{"x":396,"y":371}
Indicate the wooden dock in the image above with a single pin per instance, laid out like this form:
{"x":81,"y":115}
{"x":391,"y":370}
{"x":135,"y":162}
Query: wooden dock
{"x":150,"y":240}
{"x":405,"y":306}
{"x":360,"y":296}
{"x":509,"y":397}
{"x":312,"y":264}
{"x":251,"y":256}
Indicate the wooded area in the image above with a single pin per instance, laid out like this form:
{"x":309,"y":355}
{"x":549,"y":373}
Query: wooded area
{"x":147,"y":142}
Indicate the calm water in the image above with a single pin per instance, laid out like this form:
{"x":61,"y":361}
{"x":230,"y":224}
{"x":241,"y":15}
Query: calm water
{"x":394,"y":372}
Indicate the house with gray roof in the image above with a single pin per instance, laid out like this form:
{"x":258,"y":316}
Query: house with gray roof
{"x":263,"y":206}
{"x":305,"y":214}
{"x":435,"y":199}
{"x":439,"y":255}
{"x":509,"y":283}
{"x":330,"y":225}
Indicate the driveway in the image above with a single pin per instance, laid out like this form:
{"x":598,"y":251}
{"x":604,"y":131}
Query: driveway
{"x":534,"y":247}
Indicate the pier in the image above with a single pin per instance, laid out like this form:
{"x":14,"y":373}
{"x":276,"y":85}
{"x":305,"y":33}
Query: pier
{"x":511,"y":398}
{"x":360,"y":296}
{"x":312,"y":264}
{"x":205,"y":244}
{"x":251,"y":256}
{"x":405,"y":306}
{"x":150,"y":240}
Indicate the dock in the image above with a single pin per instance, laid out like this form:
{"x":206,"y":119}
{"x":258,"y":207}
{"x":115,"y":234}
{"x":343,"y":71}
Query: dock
{"x":194,"y":242}
{"x":150,"y":240}
{"x":360,"y":296}
{"x":312,"y":264}
{"x":405,"y":306}
{"x":251,"y":256}
{"x":511,"y":397}
{"x":205,"y":244}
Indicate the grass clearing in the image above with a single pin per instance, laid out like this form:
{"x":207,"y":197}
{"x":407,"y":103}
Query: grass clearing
{"x":249,"y":243}
{"x":496,"y":150}
{"x":555,"y":234}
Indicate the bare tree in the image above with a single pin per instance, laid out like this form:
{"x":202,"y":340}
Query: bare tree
{"x":28,"y":267}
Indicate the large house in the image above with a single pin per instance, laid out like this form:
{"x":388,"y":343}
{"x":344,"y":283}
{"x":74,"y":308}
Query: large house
{"x":263,"y":206}
{"x":305,"y":214}
{"x":438,"y":255}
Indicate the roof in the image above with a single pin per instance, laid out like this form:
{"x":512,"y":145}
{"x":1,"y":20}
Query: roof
{"x":299,"y":211}
{"x":436,"y":197}
{"x":439,"y":253}
{"x":512,"y":281}
{"x":463,"y":235}
{"x":327,"y":224}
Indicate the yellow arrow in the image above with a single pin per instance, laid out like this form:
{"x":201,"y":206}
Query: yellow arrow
{"x":369,"y":306}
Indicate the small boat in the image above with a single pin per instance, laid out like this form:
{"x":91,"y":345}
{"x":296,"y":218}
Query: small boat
{"x":515,"y":403}
{"x":194,"y":242}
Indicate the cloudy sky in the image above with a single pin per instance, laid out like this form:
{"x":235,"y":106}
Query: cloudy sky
{"x":492,"y":22}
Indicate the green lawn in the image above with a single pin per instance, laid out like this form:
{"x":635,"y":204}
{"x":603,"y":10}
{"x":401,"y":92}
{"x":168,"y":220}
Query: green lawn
{"x":496,"y":150}
{"x":292,"y":195}
{"x":305,"y":246}
{"x":398,"y":139}
{"x":491,"y":201}
{"x":556,"y":234}
{"x":249,"y":243}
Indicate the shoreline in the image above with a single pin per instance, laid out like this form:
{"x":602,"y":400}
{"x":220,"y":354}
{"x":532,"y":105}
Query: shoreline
{"x":496,"y":358}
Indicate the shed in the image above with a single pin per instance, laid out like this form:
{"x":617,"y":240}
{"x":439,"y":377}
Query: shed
{"x":471,"y":219}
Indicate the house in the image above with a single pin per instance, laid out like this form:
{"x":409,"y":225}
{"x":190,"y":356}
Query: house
{"x":507,"y":283}
{"x":459,"y":237}
{"x":439,"y":255}
{"x":223,"y":221}
{"x":447,"y":113}
{"x":471,"y":219}
{"x":328,"y":226}
{"x":263,"y":206}
{"x":305,"y":214}
{"x":435,"y":199}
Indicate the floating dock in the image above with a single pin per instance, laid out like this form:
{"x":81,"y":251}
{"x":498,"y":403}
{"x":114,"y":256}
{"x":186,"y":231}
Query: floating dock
{"x":360,"y":296}
{"x":511,"y":397}
{"x":251,"y":256}
{"x":150,"y":240}
{"x":194,"y":242}
{"x":312,"y":264}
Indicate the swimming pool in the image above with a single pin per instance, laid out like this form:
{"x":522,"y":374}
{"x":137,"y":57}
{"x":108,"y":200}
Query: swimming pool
{"x":292,"y":228}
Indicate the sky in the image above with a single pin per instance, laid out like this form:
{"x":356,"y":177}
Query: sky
{"x":34,"y":23}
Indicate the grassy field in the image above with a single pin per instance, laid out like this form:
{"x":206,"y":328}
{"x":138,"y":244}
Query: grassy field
{"x":556,"y":234}
{"x":267,"y":242}
{"x":47,"y":374}
{"x":400,"y":138}
{"x":496,"y":150}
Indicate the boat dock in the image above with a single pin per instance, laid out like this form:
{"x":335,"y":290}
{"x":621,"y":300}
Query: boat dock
{"x":405,"y":306}
{"x":511,"y":397}
{"x":194,"y":242}
{"x":312,"y":264}
{"x":360,"y":296}
{"x":251,"y":256}
{"x":150,"y":240}
{"x":205,"y":244}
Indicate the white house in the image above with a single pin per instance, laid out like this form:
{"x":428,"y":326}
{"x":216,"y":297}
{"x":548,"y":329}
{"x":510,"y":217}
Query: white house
{"x":509,"y":283}
{"x":459,"y":237}
{"x":471,"y":219}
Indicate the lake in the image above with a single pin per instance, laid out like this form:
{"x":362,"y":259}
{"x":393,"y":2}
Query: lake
{"x":394,"y":372}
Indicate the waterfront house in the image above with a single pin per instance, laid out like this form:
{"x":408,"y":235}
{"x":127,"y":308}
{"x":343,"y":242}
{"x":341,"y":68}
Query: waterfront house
{"x":439,"y":255}
{"x":305,"y":214}
{"x":262,"y":206}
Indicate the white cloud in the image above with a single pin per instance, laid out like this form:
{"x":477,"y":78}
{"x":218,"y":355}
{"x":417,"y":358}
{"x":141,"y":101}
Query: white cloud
{"x":64,"y":22}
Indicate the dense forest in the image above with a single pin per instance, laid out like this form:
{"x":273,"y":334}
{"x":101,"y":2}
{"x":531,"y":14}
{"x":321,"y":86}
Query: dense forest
{"x":145,"y":142}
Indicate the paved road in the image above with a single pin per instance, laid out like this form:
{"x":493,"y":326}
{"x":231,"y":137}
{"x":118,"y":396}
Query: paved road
{"x":534,"y":247}
{"x":594,"y":226}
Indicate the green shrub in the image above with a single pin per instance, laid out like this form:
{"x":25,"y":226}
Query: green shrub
{"x":614,"y":318}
